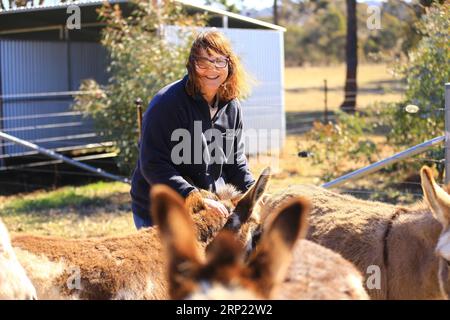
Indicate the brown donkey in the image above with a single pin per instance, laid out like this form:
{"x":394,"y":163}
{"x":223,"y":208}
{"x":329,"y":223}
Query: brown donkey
{"x":394,"y":247}
{"x":439,"y":202}
{"x":270,"y":272}
{"x":128,"y":267}
{"x":14,"y":283}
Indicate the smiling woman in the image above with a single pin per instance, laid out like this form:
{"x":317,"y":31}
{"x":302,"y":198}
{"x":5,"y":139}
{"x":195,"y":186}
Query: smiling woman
{"x":203,"y":111}
{"x":212,"y":71}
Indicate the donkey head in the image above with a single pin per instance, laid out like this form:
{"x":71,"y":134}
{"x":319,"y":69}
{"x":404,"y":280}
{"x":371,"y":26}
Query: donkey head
{"x":223,"y":274}
{"x":240,"y":221}
{"x":439,"y":202}
{"x":14,"y":283}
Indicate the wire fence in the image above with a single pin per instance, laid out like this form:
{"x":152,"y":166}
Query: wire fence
{"x":323,"y":110}
{"x":295,"y":125}
{"x":409,"y":190}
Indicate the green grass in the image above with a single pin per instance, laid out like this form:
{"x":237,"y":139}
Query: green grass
{"x":66,"y":197}
{"x":97,"y":209}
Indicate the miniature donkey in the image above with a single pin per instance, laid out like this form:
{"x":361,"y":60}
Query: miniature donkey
{"x":279,"y":267}
{"x":406,"y":248}
{"x":127,"y":267}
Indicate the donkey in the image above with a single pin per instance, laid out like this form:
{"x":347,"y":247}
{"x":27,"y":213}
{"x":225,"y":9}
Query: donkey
{"x":393,"y":246}
{"x":127,"y":267}
{"x":271,"y":271}
{"x":439,"y":203}
{"x":14,"y":283}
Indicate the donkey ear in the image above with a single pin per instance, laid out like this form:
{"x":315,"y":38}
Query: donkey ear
{"x":245,"y":205}
{"x":178,"y":236}
{"x":270,"y":262}
{"x":438,"y":200}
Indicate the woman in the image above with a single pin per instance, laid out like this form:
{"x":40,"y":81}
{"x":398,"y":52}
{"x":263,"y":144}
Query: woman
{"x":192,"y":130}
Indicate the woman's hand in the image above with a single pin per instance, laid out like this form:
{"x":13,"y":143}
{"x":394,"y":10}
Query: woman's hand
{"x":217,"y":207}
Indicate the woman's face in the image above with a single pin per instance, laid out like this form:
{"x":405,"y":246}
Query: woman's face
{"x":212,"y":71}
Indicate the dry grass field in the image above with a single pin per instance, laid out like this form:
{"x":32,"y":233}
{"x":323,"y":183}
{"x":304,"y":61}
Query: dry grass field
{"x":304,"y":87}
{"x":103,"y":208}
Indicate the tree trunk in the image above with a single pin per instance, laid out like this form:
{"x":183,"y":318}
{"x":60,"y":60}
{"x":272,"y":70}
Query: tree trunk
{"x":351,"y":51}
{"x":275,"y":11}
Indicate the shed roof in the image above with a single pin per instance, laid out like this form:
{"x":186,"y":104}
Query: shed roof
{"x":48,"y":16}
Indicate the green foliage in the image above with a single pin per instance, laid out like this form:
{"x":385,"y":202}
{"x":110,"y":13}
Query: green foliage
{"x":343,"y":142}
{"x":425,"y":74}
{"x":320,"y":40}
{"x":68,"y":197}
{"x":143,"y":60}
{"x":231,"y":7}
{"x":316,"y":31}
{"x":387,"y":41}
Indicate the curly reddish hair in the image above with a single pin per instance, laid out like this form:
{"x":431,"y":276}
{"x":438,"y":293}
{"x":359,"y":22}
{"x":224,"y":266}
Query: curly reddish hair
{"x":236,"y":85}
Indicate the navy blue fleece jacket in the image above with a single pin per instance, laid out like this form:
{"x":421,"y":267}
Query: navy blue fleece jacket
{"x":194,"y":156}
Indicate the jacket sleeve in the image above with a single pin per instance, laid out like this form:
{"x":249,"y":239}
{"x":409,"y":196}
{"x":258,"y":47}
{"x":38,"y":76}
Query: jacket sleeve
{"x":155,"y":148}
{"x":237,"y":171}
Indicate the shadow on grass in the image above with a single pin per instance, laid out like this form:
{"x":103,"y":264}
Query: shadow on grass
{"x":300,"y":119}
{"x":305,"y":119}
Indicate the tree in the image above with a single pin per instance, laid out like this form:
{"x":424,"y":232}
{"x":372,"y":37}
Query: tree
{"x":312,"y":6}
{"x":426,"y":72}
{"x":145,"y":55}
{"x":351,"y":53}
{"x":275,"y":11}
{"x":317,"y":37}
{"x":231,"y":7}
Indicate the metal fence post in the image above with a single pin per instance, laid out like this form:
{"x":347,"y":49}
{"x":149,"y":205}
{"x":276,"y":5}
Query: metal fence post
{"x":447,"y":132}
{"x":325,"y":100}
{"x":138,"y":103}
{"x":417,"y":149}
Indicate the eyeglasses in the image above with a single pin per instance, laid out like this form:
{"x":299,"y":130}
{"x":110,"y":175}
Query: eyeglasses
{"x":204,"y":63}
